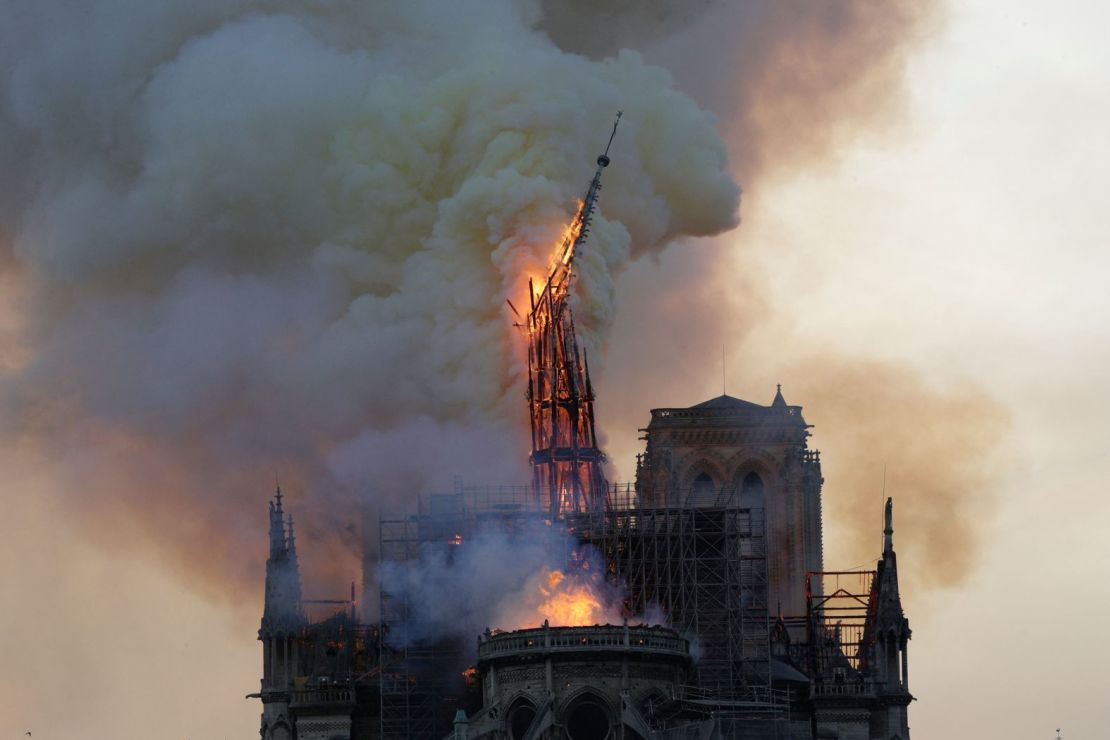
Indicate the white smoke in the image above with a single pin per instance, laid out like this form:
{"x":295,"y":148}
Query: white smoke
{"x":277,"y":237}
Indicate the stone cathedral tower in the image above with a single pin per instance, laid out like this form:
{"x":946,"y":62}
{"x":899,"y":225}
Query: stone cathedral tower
{"x":282,"y":619}
{"x":726,"y":451}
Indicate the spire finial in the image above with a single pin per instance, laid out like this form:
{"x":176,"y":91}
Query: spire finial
{"x":603,"y":160}
{"x":888,"y":527}
{"x":724,"y":373}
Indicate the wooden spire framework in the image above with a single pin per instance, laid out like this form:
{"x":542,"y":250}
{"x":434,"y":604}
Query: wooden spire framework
{"x":566,"y":462}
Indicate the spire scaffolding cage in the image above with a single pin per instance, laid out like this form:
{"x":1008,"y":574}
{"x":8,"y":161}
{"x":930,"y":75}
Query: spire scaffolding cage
{"x":567,"y":464}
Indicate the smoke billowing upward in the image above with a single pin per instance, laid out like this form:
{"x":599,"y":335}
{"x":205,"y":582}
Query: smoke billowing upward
{"x":505,"y":580}
{"x":248,"y":240}
{"x":261,"y":240}
{"x":936,"y":446}
{"x":793,"y":80}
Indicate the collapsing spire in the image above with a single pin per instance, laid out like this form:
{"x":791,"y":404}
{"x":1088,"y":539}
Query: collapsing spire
{"x":566,"y":462}
{"x":558,"y":280}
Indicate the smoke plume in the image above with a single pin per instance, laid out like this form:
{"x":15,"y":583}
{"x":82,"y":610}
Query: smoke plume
{"x":249,"y":240}
{"x":794,"y":80}
{"x":936,"y":446}
{"x":242,"y":240}
{"x":260,"y":240}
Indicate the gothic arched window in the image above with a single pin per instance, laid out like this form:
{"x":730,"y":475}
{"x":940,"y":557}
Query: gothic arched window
{"x":703,"y":487}
{"x":521,"y":716}
{"x":752,"y":495}
{"x":588,"y":719}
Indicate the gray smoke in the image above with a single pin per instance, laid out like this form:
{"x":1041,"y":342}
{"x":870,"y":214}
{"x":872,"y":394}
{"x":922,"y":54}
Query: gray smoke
{"x":274,"y":239}
{"x":242,"y":240}
{"x":502,"y":579}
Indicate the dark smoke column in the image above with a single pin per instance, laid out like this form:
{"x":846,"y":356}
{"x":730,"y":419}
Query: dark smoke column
{"x":566,"y":462}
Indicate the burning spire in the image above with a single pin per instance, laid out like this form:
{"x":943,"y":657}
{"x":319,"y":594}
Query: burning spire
{"x":566,"y":463}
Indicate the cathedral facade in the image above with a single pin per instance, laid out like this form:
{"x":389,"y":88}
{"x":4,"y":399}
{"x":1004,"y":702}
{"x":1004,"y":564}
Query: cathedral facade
{"x":722,"y":530}
{"x":721,"y":533}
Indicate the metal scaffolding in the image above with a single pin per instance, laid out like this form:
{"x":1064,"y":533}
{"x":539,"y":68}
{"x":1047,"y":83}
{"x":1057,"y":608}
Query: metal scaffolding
{"x":417,"y":683}
{"x":411,"y":670}
{"x":704,"y":567}
{"x":838,"y":652}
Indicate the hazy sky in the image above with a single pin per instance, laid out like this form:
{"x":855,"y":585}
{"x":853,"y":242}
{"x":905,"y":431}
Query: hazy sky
{"x":967,"y":239}
{"x":974,"y":242}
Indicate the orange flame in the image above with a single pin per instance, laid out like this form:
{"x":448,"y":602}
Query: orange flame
{"x":560,"y":599}
{"x":564,"y":601}
{"x":562,"y":253}
{"x":571,"y":598}
{"x":566,"y":503}
{"x":570,"y":234}
{"x":570,"y":602}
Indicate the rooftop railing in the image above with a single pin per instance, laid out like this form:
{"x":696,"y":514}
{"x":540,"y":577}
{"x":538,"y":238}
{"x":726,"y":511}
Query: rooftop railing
{"x":653,"y":640}
{"x":323,"y":696}
{"x":842,"y":688}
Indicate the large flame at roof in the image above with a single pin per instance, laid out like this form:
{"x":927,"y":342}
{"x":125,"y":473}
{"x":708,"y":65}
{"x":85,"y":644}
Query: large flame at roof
{"x":565,"y":600}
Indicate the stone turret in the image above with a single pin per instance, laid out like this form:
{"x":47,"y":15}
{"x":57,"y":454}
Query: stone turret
{"x":282,"y":609}
{"x":892,"y":635}
{"x":282,"y":620}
